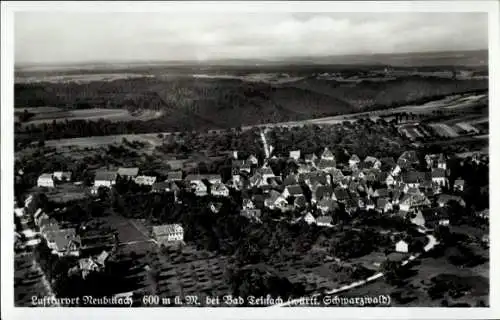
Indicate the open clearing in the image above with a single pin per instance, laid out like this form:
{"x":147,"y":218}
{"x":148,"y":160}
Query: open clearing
{"x":55,"y":114}
{"x":444,"y":130}
{"x":97,"y":141}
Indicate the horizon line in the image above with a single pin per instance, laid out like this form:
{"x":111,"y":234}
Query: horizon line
{"x":195,"y":61}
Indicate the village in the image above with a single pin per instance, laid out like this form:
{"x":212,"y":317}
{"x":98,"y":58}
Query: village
{"x":315,"y":189}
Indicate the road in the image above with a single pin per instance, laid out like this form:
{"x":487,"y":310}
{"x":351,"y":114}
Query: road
{"x":430,"y":245}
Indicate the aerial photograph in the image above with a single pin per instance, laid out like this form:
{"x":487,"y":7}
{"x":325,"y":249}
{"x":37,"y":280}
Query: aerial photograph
{"x":251,"y":159}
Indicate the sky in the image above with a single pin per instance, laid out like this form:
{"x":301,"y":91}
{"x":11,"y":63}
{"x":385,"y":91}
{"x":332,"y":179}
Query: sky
{"x":64,"y":37}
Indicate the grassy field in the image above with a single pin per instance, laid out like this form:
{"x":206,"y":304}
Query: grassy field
{"x":48,"y":115}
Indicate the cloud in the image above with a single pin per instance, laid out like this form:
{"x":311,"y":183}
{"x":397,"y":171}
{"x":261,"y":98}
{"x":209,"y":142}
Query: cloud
{"x":42,"y":37}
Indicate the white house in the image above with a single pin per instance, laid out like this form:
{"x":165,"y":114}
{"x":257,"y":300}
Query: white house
{"x":104,"y":179}
{"x":46,"y":180}
{"x":128,"y":173}
{"x":295,"y":154}
{"x":354,"y":160}
{"x":459,"y":185}
{"x":396,"y":170}
{"x":145,"y":180}
{"x":199,"y":188}
{"x":252,"y":160}
{"x":327,"y":155}
{"x":220,"y":190}
{"x":292,"y":191}
{"x":309,"y":218}
{"x":439,"y":176}
{"x":402,"y":246}
{"x":324,"y":221}
{"x":62,"y":175}
{"x":168,"y":233}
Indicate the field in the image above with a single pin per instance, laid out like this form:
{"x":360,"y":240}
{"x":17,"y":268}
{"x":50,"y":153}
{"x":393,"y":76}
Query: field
{"x":444,"y":130}
{"x":97,"y":141}
{"x":50,"y":114}
{"x":79,"y":78}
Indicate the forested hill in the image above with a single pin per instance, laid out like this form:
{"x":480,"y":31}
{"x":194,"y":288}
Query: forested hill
{"x":203,"y":103}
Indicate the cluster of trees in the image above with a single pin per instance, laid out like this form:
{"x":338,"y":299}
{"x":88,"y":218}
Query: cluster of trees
{"x":259,"y":282}
{"x":362,"y":138}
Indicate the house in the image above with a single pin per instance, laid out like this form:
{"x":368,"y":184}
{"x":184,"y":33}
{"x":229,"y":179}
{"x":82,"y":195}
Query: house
{"x":145,"y":180}
{"x":252,"y":214}
{"x":395,"y":170}
{"x":419,"y":219}
{"x":305,"y":168}
{"x":402,"y":246}
{"x":274,"y":200}
{"x":309,"y":218}
{"x":413,"y":179}
{"x":341,"y":194}
{"x":211,"y":178}
{"x":295,"y":154}
{"x":300,"y":202}
{"x":321,"y":192}
{"x":310,"y":158}
{"x":219,"y":190}
{"x":327,"y":205}
{"x":292,"y":191}
{"x":246,"y":167}
{"x":443,"y":200}
{"x":291,"y":179}
{"x":266,"y":173}
{"x":91,"y":264}
{"x":459,"y":185}
{"x":62,"y":176}
{"x":174,"y":175}
{"x":166,"y":186}
{"x":336,"y":175}
{"x":326,"y":165}
{"x":104,"y":179}
{"x":327,"y":155}
{"x":252,"y":160}
{"x":63,"y":242}
{"x":324,"y":221}
{"x":168,"y":233}
{"x":387,"y":163}
{"x":383,"y":205}
{"x":45,"y":180}
{"x":275,"y":182}
{"x":256,"y":180}
{"x":87,"y":266}
{"x":441,"y":162}
{"x":354,"y":160}
{"x":381,"y":193}
{"x":248,"y":204}
{"x":373,"y":162}
{"x":439,"y":176}
{"x":413,"y":191}
{"x":369,"y":204}
{"x":128,"y":173}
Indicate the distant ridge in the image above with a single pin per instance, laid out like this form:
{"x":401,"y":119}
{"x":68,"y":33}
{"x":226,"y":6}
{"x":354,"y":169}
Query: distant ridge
{"x":458,"y":58}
